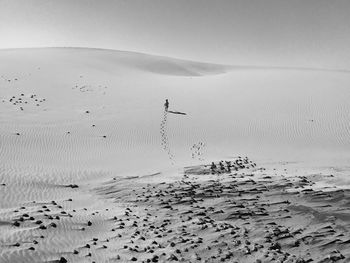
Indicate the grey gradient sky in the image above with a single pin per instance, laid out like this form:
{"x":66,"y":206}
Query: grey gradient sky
{"x":306,"y":33}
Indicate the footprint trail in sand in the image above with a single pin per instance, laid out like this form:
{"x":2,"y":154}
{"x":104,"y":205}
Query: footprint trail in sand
{"x":164,"y":137}
{"x":197,"y":151}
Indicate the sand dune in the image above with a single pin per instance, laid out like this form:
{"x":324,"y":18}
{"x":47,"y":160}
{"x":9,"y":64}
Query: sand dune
{"x":95,"y":118}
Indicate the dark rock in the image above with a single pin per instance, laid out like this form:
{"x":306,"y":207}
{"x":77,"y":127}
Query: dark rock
{"x":275,"y":246}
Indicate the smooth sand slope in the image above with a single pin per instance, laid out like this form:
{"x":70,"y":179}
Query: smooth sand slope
{"x":84,"y":139}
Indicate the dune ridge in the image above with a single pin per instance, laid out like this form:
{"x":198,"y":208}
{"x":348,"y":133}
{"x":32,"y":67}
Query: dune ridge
{"x":199,"y":67}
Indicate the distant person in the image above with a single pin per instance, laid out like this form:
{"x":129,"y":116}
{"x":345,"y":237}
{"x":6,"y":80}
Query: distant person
{"x":166,"y":105}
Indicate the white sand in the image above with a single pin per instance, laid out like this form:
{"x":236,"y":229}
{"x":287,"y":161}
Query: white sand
{"x":271,"y":115}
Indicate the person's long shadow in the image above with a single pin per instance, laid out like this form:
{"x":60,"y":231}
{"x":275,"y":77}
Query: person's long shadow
{"x":176,"y":112}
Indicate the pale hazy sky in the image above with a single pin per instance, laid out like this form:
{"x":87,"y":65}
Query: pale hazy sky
{"x":312,"y":33}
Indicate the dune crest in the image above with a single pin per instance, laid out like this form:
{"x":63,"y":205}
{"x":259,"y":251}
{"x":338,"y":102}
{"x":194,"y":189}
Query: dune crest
{"x":127,"y":59}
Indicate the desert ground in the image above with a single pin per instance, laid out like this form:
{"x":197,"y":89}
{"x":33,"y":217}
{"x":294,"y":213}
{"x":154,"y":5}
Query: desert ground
{"x":249,"y":164}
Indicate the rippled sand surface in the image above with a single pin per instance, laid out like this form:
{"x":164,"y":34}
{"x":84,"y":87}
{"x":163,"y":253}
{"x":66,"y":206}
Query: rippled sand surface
{"x":84,"y":116}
